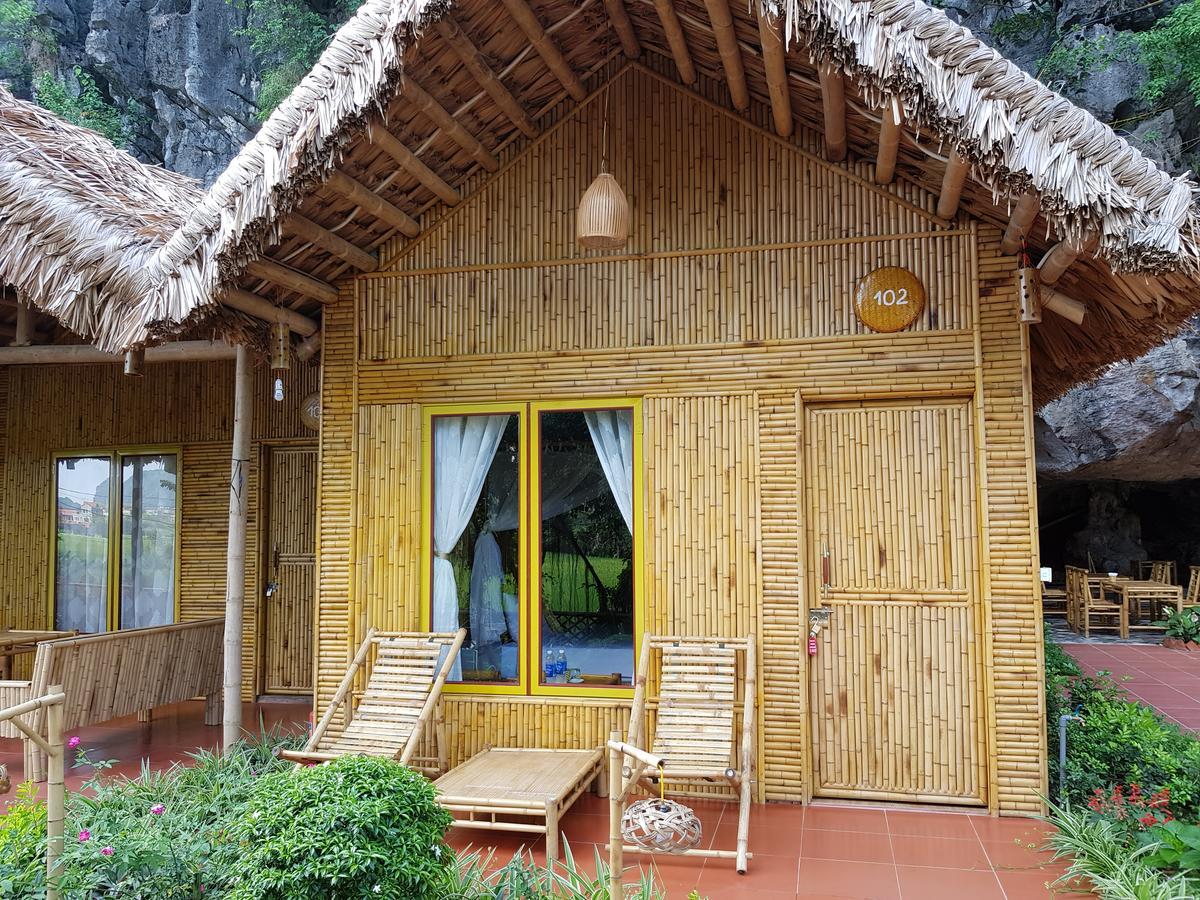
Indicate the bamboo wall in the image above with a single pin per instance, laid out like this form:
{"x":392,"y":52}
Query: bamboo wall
{"x":95,"y":407}
{"x":729,"y":316}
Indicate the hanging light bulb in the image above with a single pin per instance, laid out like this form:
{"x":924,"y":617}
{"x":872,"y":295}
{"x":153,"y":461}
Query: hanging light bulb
{"x":281,"y":352}
{"x":602,"y":221}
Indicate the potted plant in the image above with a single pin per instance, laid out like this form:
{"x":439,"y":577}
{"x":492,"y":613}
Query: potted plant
{"x":1182,"y":630}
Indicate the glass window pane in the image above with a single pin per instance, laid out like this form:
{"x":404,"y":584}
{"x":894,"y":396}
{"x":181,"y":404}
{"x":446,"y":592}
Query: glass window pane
{"x":148,"y":501}
{"x":586,"y":582}
{"x":476,"y":542}
{"x":81,"y":543}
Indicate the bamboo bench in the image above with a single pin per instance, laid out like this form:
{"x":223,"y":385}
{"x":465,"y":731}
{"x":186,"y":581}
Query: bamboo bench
{"x":119,"y":673}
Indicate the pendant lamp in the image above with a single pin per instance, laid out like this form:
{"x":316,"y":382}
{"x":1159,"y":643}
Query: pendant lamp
{"x":1029,"y":289}
{"x":281,"y":351}
{"x":602,"y":221}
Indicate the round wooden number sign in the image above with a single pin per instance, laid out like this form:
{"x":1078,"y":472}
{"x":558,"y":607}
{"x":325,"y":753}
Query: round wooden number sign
{"x":889,"y":299}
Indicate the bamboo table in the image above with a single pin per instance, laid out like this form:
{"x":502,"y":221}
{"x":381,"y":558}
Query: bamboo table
{"x":13,"y":643}
{"x":509,"y":789}
{"x":1134,"y":594}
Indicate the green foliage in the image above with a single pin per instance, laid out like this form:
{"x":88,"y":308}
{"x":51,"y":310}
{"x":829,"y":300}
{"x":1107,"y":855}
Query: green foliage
{"x":23,"y":845}
{"x":1022,"y":26}
{"x":19,"y":32}
{"x":1183,"y":625}
{"x":287,"y":37}
{"x":1074,"y":57}
{"x":357,"y":827}
{"x":1175,"y":846}
{"x":88,"y":107}
{"x":1170,"y":51}
{"x":1099,"y":852}
{"x":1061,"y":670}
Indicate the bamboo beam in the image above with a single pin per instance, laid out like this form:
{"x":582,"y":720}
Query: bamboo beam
{"x":235,"y":569}
{"x":309,"y":347}
{"x":308,"y":230}
{"x":1060,"y":257}
{"x":833,"y":102}
{"x":393,"y":147}
{"x":721,"y":20}
{"x":953,"y":180}
{"x":443,"y":120}
{"x":676,"y":40}
{"x":770,"y":35}
{"x":261,"y":308}
{"x":371,"y":203}
{"x":67,"y":354}
{"x":1020,"y":222}
{"x":889,"y":143}
{"x":292,"y":279}
{"x":1062,"y":305}
{"x":619,"y":18}
{"x":23,"y":334}
{"x":453,"y":35}
{"x":546,"y":48}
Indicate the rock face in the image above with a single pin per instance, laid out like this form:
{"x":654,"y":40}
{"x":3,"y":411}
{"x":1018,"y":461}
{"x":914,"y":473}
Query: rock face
{"x":178,"y":66}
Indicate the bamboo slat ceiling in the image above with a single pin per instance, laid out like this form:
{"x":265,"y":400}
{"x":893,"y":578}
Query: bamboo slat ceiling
{"x":416,"y":102}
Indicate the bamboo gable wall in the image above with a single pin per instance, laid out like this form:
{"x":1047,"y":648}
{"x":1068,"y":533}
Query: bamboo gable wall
{"x":188,"y":406}
{"x":729,"y":314}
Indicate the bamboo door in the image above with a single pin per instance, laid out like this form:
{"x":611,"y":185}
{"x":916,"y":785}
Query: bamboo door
{"x":897,"y":705}
{"x":290,"y":565}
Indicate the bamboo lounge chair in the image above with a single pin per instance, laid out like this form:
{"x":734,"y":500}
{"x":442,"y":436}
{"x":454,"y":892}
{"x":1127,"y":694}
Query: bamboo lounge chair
{"x":696,"y":724}
{"x":402,"y":693}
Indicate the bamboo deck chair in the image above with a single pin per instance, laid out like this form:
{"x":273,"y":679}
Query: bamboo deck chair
{"x":1192,"y":597}
{"x":401,"y":696}
{"x":697,"y":715}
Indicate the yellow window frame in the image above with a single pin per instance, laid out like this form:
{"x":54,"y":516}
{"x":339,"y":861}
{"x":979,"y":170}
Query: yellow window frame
{"x":529,"y":538}
{"x":115,"y":455}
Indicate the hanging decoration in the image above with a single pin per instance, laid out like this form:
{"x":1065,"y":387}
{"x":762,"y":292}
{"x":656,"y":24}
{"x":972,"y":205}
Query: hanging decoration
{"x":1028,"y":288}
{"x":281,"y":352}
{"x":602,"y":221}
{"x":135,"y":358}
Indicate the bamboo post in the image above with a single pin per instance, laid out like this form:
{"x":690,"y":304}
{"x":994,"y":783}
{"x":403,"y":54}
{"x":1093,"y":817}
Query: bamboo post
{"x":235,"y":569}
{"x":748,"y":720}
{"x":24,"y":332}
{"x":615,"y":841}
{"x":55,"y":792}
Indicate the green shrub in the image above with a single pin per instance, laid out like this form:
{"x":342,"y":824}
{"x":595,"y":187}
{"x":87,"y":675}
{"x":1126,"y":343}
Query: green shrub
{"x":1183,"y":625}
{"x":1170,"y":51}
{"x":88,"y":107}
{"x":1061,"y":670}
{"x":357,"y":827}
{"x":23,"y":846}
{"x":1175,"y":846}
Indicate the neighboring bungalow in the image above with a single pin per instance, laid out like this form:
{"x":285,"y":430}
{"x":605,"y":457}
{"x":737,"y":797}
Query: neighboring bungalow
{"x":796,"y":402}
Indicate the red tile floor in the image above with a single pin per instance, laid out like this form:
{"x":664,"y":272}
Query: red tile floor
{"x":1168,"y":680}
{"x":822,"y":851}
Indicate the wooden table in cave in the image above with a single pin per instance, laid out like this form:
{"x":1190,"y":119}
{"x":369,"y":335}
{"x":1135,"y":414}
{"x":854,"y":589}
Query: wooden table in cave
{"x":1133,"y":593}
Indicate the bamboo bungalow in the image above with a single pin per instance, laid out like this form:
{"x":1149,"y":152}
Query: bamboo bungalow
{"x":794,"y":401}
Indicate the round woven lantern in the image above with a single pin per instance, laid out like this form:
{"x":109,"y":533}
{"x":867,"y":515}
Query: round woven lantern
{"x":661,"y":826}
{"x":602,"y":222}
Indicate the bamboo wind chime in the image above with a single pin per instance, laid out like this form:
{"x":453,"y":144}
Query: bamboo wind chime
{"x":602,"y":222}
{"x":1028,"y":289}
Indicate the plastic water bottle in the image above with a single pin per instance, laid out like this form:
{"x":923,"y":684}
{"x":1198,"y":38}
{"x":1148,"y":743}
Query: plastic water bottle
{"x":562,"y":666}
{"x":551,"y":667}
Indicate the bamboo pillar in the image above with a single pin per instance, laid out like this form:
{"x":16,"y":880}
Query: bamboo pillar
{"x":615,"y":804}
{"x":235,"y":570}
{"x":24,"y":335}
{"x":55,"y":792}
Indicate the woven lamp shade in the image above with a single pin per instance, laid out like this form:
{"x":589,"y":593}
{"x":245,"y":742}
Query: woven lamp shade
{"x":602,"y":222}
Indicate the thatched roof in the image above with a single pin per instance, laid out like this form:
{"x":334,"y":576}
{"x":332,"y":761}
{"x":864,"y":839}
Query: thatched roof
{"x":957,"y":94}
{"x":79,"y":220}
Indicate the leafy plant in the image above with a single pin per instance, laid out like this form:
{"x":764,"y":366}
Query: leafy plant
{"x":1074,"y":57}
{"x":1132,"y":810}
{"x":1061,"y":670}
{"x":23,"y":845}
{"x":1175,"y":846}
{"x":19,"y":32}
{"x":88,"y":107}
{"x":1021,"y":26}
{"x":356,"y":827}
{"x":1170,"y":51}
{"x":1183,"y":625}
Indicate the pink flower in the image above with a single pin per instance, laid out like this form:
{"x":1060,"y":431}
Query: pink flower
{"x":158,"y":809}
{"x":73,"y":741}
{"x":106,"y":851}
{"x":85,"y":836}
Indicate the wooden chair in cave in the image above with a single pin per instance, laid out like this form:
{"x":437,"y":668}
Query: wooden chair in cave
{"x":702,"y":723}
{"x":407,"y":673}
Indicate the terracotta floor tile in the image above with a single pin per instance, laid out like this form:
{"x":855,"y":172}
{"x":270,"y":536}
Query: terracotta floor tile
{"x":1010,"y":828}
{"x":861,"y":881}
{"x":846,"y":818}
{"x":765,"y":873}
{"x":931,"y":824}
{"x":918,"y":850}
{"x":781,"y":839}
{"x":853,"y":846}
{"x":920,"y":883}
{"x":1017,"y":854}
{"x":1035,"y":884}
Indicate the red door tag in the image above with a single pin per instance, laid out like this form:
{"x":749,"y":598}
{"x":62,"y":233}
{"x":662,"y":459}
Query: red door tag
{"x":812,"y":645}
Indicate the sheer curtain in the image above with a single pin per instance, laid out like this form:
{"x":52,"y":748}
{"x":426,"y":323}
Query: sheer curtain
{"x":568,"y":479}
{"x":612,"y":433}
{"x":463,"y":450}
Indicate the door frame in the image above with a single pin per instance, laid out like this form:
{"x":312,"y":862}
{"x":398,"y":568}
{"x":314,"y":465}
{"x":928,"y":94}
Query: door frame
{"x":262,"y":526}
{"x":809,"y":566}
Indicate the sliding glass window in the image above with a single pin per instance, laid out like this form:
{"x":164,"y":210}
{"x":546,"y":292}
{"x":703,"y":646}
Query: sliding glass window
{"x":115,"y":540}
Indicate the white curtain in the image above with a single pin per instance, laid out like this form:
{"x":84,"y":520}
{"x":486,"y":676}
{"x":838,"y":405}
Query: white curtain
{"x":612,"y":433}
{"x":463,"y":450}
{"x":568,"y":479}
